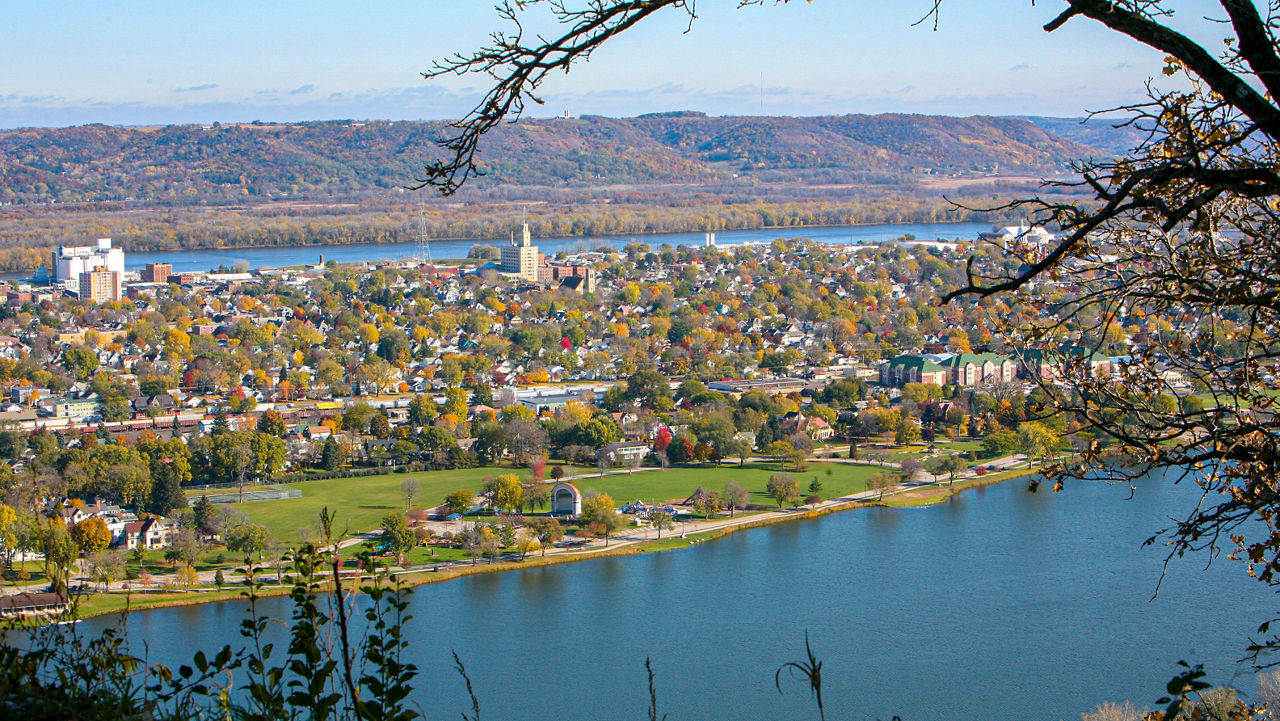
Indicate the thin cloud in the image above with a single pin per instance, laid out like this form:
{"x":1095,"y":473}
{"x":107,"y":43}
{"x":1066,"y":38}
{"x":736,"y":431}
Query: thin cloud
{"x":1020,"y":66}
{"x":196,"y":88}
{"x":303,"y":89}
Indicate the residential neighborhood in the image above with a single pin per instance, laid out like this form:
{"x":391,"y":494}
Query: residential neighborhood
{"x":124,"y":411}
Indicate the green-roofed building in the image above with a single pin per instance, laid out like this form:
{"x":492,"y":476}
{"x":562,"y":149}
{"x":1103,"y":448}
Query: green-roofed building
{"x":906,"y":369}
{"x":976,"y":369}
{"x":1064,"y":362}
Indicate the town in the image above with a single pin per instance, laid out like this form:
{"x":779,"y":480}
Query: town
{"x":136,"y":402}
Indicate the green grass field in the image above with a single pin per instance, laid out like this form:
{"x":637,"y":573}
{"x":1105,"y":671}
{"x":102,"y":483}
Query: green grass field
{"x":677,"y":484}
{"x":361,"y":503}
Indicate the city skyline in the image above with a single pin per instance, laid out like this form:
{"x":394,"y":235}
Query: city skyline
{"x":135,"y":63}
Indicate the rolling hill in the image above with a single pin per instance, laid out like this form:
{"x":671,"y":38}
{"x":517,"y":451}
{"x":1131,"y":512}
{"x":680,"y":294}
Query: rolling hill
{"x":344,"y":160}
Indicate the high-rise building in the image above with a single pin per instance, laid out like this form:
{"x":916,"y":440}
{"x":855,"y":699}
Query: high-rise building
{"x":71,"y":261}
{"x":521,"y":259}
{"x":157,"y":272}
{"x":99,"y":285}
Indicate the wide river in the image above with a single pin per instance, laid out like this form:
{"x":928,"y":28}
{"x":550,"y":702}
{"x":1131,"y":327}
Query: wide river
{"x":1000,"y":604}
{"x":195,"y":260}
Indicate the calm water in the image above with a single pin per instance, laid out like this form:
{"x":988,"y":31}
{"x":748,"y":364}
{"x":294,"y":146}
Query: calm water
{"x":193,"y":260}
{"x":999,"y":605}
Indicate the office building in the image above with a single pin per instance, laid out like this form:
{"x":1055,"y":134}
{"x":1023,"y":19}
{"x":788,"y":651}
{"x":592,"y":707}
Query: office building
{"x":99,"y":285}
{"x":521,"y":259}
{"x":70,"y":262}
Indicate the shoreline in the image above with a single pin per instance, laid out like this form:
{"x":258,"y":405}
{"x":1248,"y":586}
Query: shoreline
{"x":637,"y":237}
{"x":130,"y":602}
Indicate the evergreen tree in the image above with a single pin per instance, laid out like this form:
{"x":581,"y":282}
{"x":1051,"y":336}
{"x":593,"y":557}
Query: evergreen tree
{"x":202,"y":514}
{"x":331,"y":456}
{"x":166,"y":495}
{"x":482,"y":395}
{"x":220,"y":424}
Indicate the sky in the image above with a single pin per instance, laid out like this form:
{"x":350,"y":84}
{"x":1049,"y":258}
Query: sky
{"x":132,"y":62}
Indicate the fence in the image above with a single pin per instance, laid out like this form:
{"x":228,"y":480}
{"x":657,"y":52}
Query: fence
{"x":255,"y":493}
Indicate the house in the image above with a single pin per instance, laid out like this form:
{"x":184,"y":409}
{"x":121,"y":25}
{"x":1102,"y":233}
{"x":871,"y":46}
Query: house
{"x":151,"y":533}
{"x":816,"y":428}
{"x":317,"y":433}
{"x":628,"y":453}
{"x":31,"y":604}
{"x":159,"y":404}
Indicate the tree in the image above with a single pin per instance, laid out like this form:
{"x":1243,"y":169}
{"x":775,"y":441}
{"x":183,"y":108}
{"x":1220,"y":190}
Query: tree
{"x":184,"y":548}
{"x":460,"y":501}
{"x":906,"y":433}
{"x":740,"y":449}
{"x":91,"y":535}
{"x":949,"y":464}
{"x":1036,"y":440}
{"x":782,"y":488}
{"x":9,"y":530}
{"x":735,"y":496}
{"x":508,"y":493}
{"x":272,"y":423}
{"x":106,"y":567}
{"x":1000,"y":443}
{"x":536,"y":495}
{"x":660,"y":518}
{"x":248,"y":538}
{"x":82,"y":362}
{"x":409,"y":489}
{"x":706,"y":501}
{"x":202,"y":515}
{"x":527,"y":542}
{"x":879,"y":482}
{"x":547,"y":530}
{"x":379,"y":426}
{"x":166,"y":496}
{"x":780,"y":450}
{"x":187,"y":576}
{"x":438,"y":442}
{"x":489,"y":545}
{"x":396,"y":536}
{"x":330,"y":455}
{"x":599,"y":515}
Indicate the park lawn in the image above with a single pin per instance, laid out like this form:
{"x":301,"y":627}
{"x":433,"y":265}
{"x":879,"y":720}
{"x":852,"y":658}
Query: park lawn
{"x":34,"y":568}
{"x":964,"y":446}
{"x":360,"y":503}
{"x":211,"y":560}
{"x":677,"y":484}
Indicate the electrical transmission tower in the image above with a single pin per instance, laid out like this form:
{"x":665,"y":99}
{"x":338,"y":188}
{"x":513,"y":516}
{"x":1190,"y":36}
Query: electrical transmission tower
{"x":424,"y":244}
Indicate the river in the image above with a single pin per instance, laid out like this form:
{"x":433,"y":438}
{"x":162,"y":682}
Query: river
{"x":1000,"y":604}
{"x":208,"y":259}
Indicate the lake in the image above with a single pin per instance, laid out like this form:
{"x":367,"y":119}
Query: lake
{"x":208,"y":259}
{"x":1000,"y":604}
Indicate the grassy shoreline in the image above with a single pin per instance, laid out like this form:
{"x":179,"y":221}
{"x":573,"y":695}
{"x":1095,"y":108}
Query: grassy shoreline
{"x":105,"y":604}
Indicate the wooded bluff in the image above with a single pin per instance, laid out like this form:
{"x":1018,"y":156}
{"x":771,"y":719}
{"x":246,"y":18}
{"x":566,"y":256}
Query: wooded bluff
{"x":259,"y":184}
{"x":220,"y":164}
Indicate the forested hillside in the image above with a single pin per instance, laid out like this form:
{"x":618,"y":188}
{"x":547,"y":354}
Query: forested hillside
{"x":225,"y":164}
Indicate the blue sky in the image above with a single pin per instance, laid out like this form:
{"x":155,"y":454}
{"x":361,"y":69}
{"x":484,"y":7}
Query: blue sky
{"x":135,"y":63}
